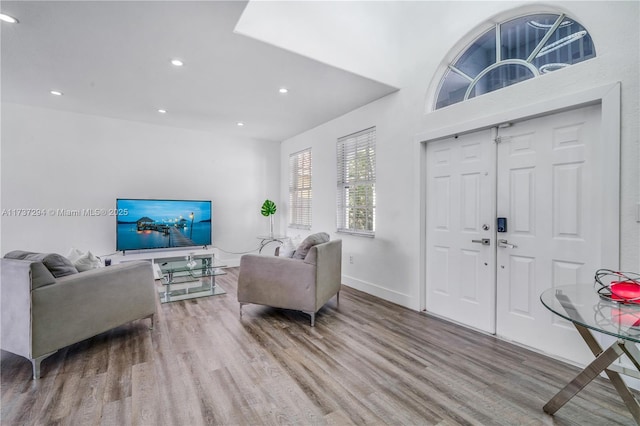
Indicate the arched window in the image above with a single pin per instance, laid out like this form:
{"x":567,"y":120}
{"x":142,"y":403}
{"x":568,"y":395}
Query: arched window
{"x":514,"y":51}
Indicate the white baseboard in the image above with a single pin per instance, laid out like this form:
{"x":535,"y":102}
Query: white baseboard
{"x":381,"y":292}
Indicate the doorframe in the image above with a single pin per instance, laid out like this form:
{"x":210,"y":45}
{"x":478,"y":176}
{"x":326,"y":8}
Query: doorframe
{"x":608,"y":96}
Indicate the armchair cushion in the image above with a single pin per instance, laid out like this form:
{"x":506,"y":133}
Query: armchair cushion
{"x":58,"y":265}
{"x":312,"y":240}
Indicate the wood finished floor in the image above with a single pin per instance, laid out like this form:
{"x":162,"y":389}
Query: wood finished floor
{"x":367,"y":361}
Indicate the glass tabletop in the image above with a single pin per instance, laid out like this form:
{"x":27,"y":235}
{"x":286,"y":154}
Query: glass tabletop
{"x":202,"y":266}
{"x":581,"y":304}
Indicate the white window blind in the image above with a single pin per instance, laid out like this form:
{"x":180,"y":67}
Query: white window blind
{"x":356,"y":191}
{"x":300,"y":189}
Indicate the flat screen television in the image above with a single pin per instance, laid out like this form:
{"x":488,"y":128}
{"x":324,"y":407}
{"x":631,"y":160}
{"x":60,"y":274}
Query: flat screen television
{"x":143,"y":224}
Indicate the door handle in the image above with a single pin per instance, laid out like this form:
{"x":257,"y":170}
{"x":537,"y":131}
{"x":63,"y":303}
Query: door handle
{"x":506,"y":244}
{"x":484,"y":241}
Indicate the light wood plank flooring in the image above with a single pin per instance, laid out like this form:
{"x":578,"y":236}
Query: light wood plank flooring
{"x":367,"y":361}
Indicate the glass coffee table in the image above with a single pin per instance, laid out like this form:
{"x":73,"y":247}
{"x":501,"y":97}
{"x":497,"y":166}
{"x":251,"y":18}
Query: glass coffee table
{"x":189,"y":277}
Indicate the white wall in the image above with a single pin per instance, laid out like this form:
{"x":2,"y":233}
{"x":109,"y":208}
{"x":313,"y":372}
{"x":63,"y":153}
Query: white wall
{"x":381,"y":40}
{"x":390,"y":265}
{"x":62,"y":160}
{"x":331,"y":32}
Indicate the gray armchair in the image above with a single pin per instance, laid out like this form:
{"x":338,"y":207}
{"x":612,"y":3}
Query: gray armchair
{"x":42,"y":313}
{"x":299,"y":284}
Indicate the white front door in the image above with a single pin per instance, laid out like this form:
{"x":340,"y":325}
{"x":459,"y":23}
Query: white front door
{"x":460,"y":212}
{"x":544,"y":176}
{"x":550,"y":192}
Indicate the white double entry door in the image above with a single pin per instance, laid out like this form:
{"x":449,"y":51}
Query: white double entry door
{"x":542,"y":178}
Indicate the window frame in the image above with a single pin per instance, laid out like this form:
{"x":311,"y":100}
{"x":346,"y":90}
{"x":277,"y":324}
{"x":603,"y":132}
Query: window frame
{"x":552,"y":40}
{"x":356,"y":188}
{"x":300,"y":213}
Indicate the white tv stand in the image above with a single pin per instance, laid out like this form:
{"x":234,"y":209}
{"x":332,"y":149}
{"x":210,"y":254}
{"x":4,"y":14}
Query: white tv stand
{"x":156,"y":256}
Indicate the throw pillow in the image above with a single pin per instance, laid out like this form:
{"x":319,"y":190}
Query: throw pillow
{"x":74,"y":254}
{"x":58,"y":265}
{"x":310,"y":241}
{"x":87,"y":261}
{"x":287,"y":249}
{"x":83,"y":261}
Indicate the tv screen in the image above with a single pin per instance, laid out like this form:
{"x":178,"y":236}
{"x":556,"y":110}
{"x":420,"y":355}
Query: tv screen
{"x":152,"y":224}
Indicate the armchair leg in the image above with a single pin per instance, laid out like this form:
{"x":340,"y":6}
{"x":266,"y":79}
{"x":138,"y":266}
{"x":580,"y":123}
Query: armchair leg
{"x":338,"y":298}
{"x":241,"y":305}
{"x":152,"y":317}
{"x":35,"y":363}
{"x":313,"y":318}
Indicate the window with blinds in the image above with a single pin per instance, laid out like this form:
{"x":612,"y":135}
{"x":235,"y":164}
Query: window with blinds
{"x":356,"y":191}
{"x":300,"y":189}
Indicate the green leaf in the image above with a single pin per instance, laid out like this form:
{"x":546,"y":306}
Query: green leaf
{"x":268,"y":208}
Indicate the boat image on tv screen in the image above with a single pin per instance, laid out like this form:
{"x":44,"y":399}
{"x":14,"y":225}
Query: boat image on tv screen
{"x":149,"y":224}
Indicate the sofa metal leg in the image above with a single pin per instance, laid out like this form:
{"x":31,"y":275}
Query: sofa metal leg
{"x":241,"y":305}
{"x":35,"y":364}
{"x":313,"y":318}
{"x":152,"y":317}
{"x":338,"y":298}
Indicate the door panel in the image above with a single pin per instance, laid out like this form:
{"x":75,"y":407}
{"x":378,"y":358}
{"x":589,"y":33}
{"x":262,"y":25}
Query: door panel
{"x":548,"y":189}
{"x":545,"y":176}
{"x":460,"y":201}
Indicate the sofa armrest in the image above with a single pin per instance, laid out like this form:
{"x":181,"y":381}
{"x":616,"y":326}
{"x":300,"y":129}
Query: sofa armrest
{"x":15,"y":303}
{"x":280,"y":282}
{"x":83,"y":305}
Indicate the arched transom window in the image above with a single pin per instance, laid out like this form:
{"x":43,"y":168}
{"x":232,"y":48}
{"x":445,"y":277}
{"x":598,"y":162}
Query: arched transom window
{"x":512,"y":52}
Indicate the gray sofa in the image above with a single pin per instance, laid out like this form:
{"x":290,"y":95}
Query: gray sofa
{"x":299,"y":284}
{"x":42,"y":312}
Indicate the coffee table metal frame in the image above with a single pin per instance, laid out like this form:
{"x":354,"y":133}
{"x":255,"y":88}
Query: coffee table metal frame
{"x":190,"y":276}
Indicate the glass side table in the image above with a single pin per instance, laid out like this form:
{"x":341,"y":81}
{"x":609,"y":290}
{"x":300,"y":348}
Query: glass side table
{"x":266,"y":239}
{"x":189,"y":277}
{"x":581,"y":305}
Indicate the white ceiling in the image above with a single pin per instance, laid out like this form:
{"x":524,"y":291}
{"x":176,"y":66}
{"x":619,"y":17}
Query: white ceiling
{"x":112,"y":59}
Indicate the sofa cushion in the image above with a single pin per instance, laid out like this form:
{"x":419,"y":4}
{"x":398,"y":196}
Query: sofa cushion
{"x":58,"y":265}
{"x":312,"y":240}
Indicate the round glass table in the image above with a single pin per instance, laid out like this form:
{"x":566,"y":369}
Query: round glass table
{"x":588,"y":311}
{"x":581,"y":305}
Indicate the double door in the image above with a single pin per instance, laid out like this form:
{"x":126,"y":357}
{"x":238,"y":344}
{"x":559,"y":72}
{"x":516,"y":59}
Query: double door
{"x":512,"y":211}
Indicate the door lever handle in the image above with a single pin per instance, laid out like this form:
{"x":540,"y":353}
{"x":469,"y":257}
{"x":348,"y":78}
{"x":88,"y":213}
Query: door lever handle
{"x":484,"y":241}
{"x":506,"y":244}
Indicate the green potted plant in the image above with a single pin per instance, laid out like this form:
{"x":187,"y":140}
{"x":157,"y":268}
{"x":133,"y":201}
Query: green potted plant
{"x":268,"y":210}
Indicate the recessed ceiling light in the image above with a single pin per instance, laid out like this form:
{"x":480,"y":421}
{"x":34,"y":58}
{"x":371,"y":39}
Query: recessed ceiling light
{"x":283,"y":90}
{"x":6,"y":18}
{"x":177,"y":62}
{"x":56,"y":92}
{"x":239,"y":124}
{"x":162,"y":111}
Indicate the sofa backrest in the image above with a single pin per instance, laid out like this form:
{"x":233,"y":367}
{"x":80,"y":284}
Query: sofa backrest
{"x":34,"y":271}
{"x":58,"y":265}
